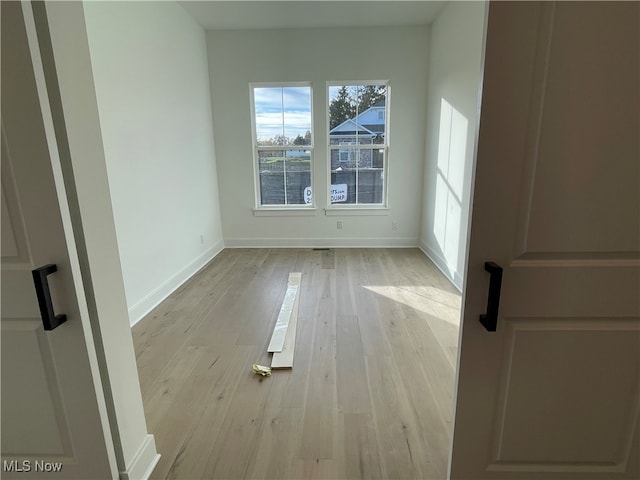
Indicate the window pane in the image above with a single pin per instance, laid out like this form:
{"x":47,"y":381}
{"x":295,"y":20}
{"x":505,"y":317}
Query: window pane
{"x":271,"y":164}
{"x":269,"y":115}
{"x":344,"y":176}
{"x":284,"y":176}
{"x":297,"y":115}
{"x":357,"y":113}
{"x":298,"y":175}
{"x":365,"y":169}
{"x":343,"y":186}
{"x":341,"y":106}
{"x":283,"y":115}
{"x":377,"y":158}
{"x":371,"y":178}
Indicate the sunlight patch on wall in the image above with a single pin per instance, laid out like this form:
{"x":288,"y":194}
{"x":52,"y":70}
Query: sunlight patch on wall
{"x":452,"y":145}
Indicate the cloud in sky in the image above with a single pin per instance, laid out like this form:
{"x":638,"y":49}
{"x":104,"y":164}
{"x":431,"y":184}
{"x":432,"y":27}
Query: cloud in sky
{"x":282,"y":111}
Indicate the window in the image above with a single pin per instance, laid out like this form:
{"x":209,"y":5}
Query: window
{"x":358,"y":146}
{"x":345,"y":154}
{"x":283,"y":143}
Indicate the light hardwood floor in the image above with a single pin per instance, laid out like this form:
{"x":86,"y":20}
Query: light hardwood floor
{"x":370,"y":394}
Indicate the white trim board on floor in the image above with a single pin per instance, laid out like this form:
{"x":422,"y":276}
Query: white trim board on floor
{"x":284,"y":359}
{"x":160,"y":293}
{"x":321,"y":243}
{"x":144,"y":461}
{"x":286,"y":313}
{"x":454,"y":277}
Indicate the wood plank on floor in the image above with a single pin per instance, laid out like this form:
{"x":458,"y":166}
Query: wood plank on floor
{"x":276,"y":452}
{"x":353,"y":391}
{"x":362,"y":458}
{"x":317,"y":432}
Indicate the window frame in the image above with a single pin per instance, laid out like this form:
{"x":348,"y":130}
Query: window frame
{"x":336,"y":208}
{"x":259,"y":208}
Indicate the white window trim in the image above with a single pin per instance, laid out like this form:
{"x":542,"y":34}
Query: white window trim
{"x":359,"y":208}
{"x":279,"y":210}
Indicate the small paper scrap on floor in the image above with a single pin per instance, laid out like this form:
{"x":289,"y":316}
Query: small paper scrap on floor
{"x":260,"y":370}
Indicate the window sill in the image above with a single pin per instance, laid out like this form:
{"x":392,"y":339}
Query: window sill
{"x":284,"y":212}
{"x":359,"y":211}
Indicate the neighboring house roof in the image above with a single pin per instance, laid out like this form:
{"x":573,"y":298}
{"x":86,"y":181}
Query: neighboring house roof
{"x":369,"y":123}
{"x":349,"y":128}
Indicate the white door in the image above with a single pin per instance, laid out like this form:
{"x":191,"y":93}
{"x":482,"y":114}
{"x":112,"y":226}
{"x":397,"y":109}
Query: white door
{"x":554,"y":391}
{"x":52,"y":417}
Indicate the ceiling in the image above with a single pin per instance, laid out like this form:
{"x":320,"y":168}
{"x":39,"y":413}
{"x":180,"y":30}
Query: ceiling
{"x":232,"y":15}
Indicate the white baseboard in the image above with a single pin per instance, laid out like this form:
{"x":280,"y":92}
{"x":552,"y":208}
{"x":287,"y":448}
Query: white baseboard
{"x":153,"y":299}
{"x":438,"y":260}
{"x":144,"y":461}
{"x":321,"y":242}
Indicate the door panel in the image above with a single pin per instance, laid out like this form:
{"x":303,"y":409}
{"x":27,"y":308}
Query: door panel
{"x":30,"y":421}
{"x":597,"y":377}
{"x":581,"y":133}
{"x":555,"y":391}
{"x":51,"y":411}
{"x":14,"y":241}
{"x":587,"y":132}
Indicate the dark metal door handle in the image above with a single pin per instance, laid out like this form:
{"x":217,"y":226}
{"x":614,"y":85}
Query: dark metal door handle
{"x":49,"y":319}
{"x":490,"y":319}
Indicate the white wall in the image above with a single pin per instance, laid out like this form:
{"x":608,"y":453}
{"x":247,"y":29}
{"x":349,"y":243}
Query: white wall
{"x":397,"y":54}
{"x":152,"y":86}
{"x":453,"y":89}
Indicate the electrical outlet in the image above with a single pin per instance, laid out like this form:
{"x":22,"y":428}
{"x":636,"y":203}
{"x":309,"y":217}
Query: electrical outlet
{"x":339,"y":225}
{"x":394,"y":225}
